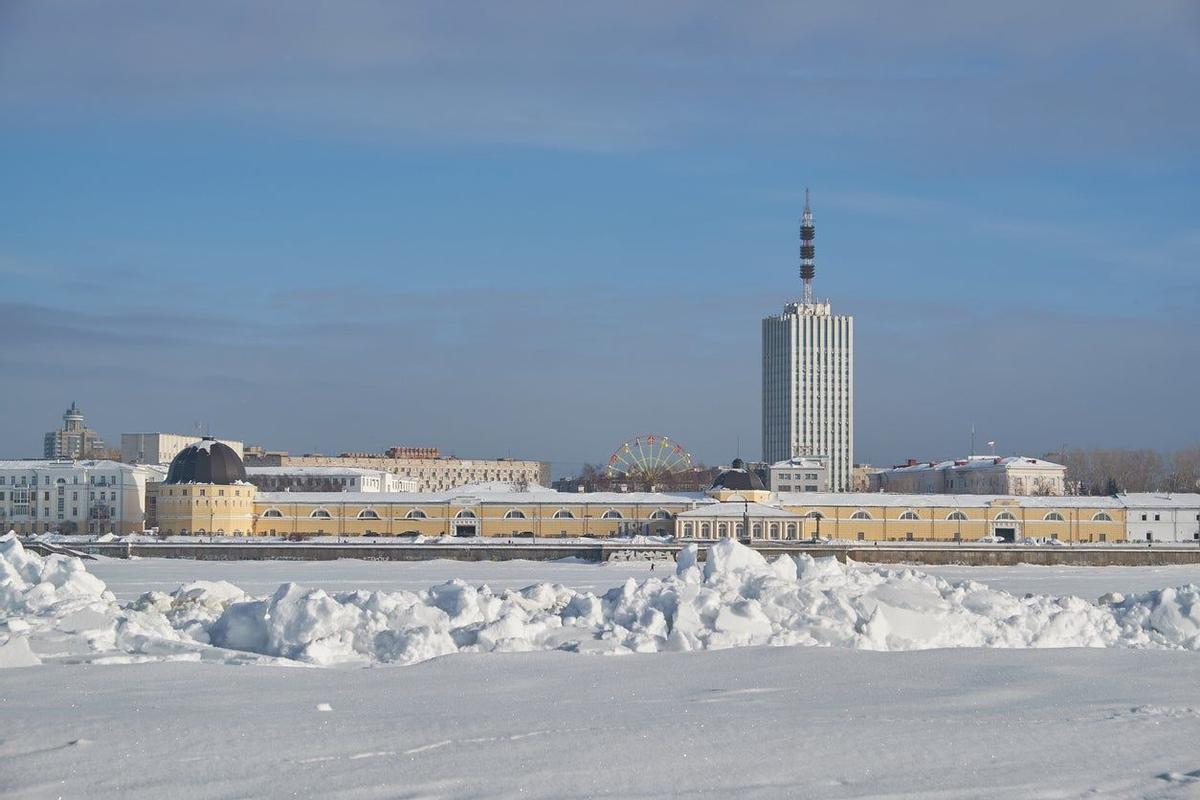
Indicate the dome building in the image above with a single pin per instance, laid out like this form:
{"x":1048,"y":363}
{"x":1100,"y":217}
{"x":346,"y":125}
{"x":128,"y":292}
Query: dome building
{"x":739,"y":483}
{"x":205,"y":493}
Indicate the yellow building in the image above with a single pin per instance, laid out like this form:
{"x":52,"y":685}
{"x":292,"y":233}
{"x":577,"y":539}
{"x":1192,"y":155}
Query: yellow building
{"x":905,"y":517}
{"x":205,"y":492}
{"x":469,"y":511}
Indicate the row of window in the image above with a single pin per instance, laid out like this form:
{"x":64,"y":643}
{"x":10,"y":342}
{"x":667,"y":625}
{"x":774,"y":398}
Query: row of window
{"x":514,"y":513}
{"x":1157,"y":518}
{"x":201,"y":492}
{"x":1052,"y":516}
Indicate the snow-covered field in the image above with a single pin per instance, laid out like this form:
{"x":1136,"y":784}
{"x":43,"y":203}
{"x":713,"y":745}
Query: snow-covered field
{"x":215,"y":689}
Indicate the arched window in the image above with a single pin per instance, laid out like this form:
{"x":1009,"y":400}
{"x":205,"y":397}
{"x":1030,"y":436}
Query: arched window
{"x":774,"y":530}
{"x":956,"y":516}
{"x":1102,"y":516}
{"x":562,"y":513}
{"x":514,"y":513}
{"x":1007,"y":517}
{"x":687,"y":529}
{"x":273,"y":512}
{"x":756,"y":527}
{"x":466,"y":513}
{"x":320,"y":513}
{"x":416,"y":513}
{"x":722,"y":529}
{"x":661,"y":514}
{"x":368,"y":513}
{"x":705,"y":530}
{"x":612,"y":514}
{"x":791,"y":530}
{"x":1054,"y":516}
{"x":860,"y":514}
{"x":909,"y":515}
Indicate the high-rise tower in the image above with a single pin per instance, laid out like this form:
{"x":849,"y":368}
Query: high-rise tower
{"x":808,"y":376}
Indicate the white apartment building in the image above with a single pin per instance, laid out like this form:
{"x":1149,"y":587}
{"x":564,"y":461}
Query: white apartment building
{"x":1012,"y":475}
{"x":74,"y":496}
{"x":808,"y":377}
{"x":160,"y":448}
{"x":802,"y":474}
{"x":1161,"y":517}
{"x":808,"y":388}
{"x":329,"y":479}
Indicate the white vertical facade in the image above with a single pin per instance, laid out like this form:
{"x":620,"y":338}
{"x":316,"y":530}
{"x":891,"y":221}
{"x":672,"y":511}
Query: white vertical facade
{"x":74,"y":496}
{"x":808,"y":388}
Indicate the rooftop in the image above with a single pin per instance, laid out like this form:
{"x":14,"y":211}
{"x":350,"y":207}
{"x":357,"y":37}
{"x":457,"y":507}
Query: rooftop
{"x":976,"y":462}
{"x":1160,"y":499}
{"x":887,"y":499}
{"x":738,"y":510}
{"x":466,"y":495}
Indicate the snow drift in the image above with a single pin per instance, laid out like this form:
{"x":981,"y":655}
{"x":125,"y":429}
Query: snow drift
{"x":54,"y":609}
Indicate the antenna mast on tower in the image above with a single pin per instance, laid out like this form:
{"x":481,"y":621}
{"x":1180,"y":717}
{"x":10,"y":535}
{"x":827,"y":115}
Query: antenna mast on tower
{"x":807,"y":250}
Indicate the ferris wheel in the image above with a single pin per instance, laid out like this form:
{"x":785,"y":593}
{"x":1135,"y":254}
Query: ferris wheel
{"x":648,"y":459}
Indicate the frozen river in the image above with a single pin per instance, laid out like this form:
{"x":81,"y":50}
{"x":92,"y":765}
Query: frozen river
{"x":177,"y":697}
{"x":129,"y":578}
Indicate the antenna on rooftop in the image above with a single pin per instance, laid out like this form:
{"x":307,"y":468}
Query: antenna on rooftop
{"x":807,"y":250}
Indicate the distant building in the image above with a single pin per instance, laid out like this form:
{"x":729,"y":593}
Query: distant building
{"x":860,"y":477}
{"x":328,"y":479}
{"x":800,"y":474}
{"x":740,"y":483}
{"x":82,"y":496}
{"x":205,"y":493}
{"x":808,"y":378}
{"x":1161,"y":517}
{"x":879,"y":517}
{"x":430,"y":474}
{"x":74,"y":439}
{"x":160,"y":448}
{"x":1007,"y":475}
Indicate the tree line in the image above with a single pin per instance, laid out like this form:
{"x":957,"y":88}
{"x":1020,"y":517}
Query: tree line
{"x":1099,"y":471}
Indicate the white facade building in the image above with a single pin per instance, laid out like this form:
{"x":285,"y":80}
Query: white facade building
{"x":160,"y":448}
{"x":329,"y":479}
{"x":808,"y":377}
{"x":1161,"y":517}
{"x":74,"y":496}
{"x":808,"y":388}
{"x":802,"y":474}
{"x":1014,"y":475}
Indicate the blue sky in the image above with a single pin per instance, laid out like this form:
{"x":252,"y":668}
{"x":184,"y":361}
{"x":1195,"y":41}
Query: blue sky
{"x":536,"y":229}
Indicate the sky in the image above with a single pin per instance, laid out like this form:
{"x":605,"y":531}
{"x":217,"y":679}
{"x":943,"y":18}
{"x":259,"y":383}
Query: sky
{"x":541,"y":229}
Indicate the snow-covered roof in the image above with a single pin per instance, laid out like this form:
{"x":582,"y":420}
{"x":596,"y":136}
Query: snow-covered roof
{"x":891,"y":500}
{"x":500,"y":487}
{"x":976,"y":462}
{"x":738,"y":510}
{"x":803,"y":462}
{"x":89,"y":464}
{"x":1160,"y":499}
{"x":462,"y":496}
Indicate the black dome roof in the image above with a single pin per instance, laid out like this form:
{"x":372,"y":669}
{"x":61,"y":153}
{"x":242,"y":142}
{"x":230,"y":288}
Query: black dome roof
{"x":206,"y":461}
{"x":739,"y":479}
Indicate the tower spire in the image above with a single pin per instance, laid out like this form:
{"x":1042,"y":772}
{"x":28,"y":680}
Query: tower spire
{"x":807,"y":250}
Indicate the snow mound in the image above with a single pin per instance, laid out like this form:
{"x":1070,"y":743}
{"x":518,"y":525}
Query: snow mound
{"x":737,"y":598}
